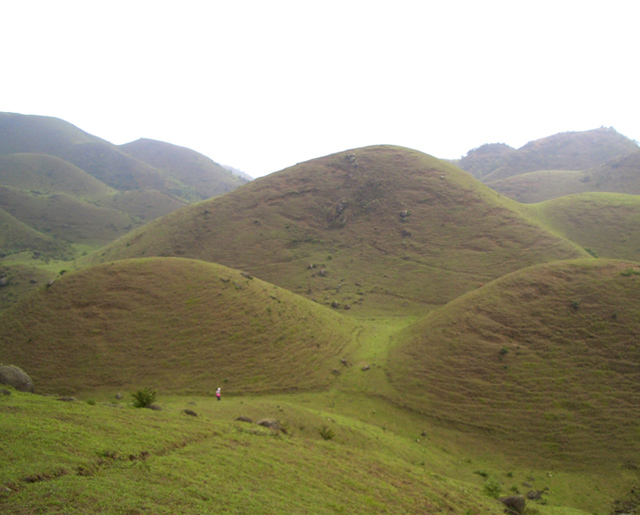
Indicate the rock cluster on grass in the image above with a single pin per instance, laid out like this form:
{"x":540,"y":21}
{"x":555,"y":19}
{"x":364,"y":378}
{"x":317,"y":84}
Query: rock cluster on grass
{"x":16,"y":377}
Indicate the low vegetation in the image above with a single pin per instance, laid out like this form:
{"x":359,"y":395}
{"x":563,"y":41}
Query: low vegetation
{"x":390,"y":336}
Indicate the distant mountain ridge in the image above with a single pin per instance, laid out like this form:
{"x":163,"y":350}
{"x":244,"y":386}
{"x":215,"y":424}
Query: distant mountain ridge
{"x":563,"y":151}
{"x":108,"y":188}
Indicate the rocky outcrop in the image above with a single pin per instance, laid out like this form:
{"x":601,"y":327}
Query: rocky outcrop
{"x":16,"y":377}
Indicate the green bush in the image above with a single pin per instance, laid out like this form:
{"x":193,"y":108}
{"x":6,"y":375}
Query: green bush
{"x":143,"y":398}
{"x":326,"y":433}
{"x":492,"y":487}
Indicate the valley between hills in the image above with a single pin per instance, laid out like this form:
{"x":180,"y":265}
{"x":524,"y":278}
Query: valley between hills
{"x":392,"y":332}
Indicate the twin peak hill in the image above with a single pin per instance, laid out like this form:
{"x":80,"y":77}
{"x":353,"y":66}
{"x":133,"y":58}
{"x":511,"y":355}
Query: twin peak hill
{"x":380,"y":230}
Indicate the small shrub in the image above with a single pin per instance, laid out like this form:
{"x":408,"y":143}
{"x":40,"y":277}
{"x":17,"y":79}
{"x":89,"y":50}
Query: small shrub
{"x":575,"y":305}
{"x":593,"y":252}
{"x":492,"y":488}
{"x":143,"y":398}
{"x":91,"y":402}
{"x":326,"y":433}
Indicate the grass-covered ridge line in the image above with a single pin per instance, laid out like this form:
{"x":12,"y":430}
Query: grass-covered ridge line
{"x":395,"y":230}
{"x":606,"y":224}
{"x":175,"y":324}
{"x":546,"y":357}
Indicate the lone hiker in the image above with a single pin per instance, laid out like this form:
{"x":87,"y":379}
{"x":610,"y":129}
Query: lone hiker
{"x":218,"y":394}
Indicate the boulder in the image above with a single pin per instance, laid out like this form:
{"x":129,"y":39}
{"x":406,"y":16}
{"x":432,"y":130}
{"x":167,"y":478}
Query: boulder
{"x":515,"y":504}
{"x":271,"y":423}
{"x":16,"y":377}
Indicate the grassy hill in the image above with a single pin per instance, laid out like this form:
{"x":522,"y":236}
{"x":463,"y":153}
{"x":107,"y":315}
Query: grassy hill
{"x":64,"y":217}
{"x":545,"y":358}
{"x":38,"y":134}
{"x":77,"y":188}
{"x":165,"y":462}
{"x":620,"y":175}
{"x":207,"y":178}
{"x":108,"y":164}
{"x":18,"y":280}
{"x":456,"y":348}
{"x":533,"y":187}
{"x":483,"y":160}
{"x":605,"y":223}
{"x":16,"y":237}
{"x":380,"y":229}
{"x":180,"y":325}
{"x":564,"y":151}
{"x":45,"y":174}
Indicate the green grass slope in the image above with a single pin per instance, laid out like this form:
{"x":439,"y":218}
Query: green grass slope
{"x":16,"y":236}
{"x":533,"y":187}
{"x":144,"y":205}
{"x":178,"y":325}
{"x":38,"y":134}
{"x":620,"y":175}
{"x":65,"y":217}
{"x":607,"y":224}
{"x":110,"y":165}
{"x":18,"y":280}
{"x":205,"y":176}
{"x":544,"y":359}
{"x":379,"y":229}
{"x":46,"y":174}
{"x":77,"y":455}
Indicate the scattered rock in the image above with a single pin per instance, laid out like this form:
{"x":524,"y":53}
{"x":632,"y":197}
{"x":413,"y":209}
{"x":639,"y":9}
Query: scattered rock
{"x":225,"y":280}
{"x":323,"y":272}
{"x":119,"y":396}
{"x":245,"y":419}
{"x":271,"y":423}
{"x":424,"y":433}
{"x":16,"y":377}
{"x":155,"y":407}
{"x":404,"y":213}
{"x":5,"y":392}
{"x":246,"y":274}
{"x":190,"y":412}
{"x":515,"y":504}
{"x":365,"y":368}
{"x":344,"y":362}
{"x":335,"y":372}
{"x":534,"y":495}
{"x":4,"y":281}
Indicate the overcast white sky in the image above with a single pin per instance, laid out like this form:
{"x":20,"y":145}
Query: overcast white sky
{"x":262,"y":85}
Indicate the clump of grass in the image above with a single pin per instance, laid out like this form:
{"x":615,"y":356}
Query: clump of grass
{"x":326,"y":433}
{"x":144,"y":398}
{"x":492,"y":487}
